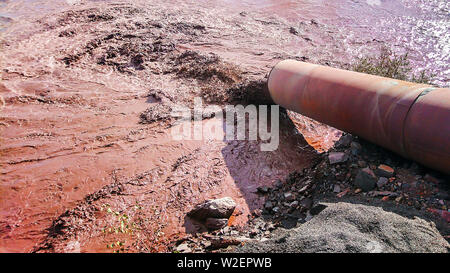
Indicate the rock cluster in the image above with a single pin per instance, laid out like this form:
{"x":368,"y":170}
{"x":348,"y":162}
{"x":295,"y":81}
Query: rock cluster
{"x":350,"y":170}
{"x":353,"y":170}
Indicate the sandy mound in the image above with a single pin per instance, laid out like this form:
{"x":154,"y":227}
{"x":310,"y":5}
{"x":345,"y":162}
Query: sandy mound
{"x":345,"y":227}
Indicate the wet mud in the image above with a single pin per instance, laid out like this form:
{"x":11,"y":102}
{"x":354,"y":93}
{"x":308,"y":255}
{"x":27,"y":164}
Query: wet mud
{"x":89,"y":128}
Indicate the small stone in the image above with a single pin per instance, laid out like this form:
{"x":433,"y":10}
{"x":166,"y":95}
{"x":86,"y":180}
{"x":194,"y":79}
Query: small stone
{"x":303,"y":189}
{"x":288,"y":196}
{"x":297,"y":214}
{"x":268,"y":205}
{"x":263,"y":189}
{"x":336,"y":158}
{"x":405,"y":186}
{"x":293,"y":204}
{"x":336,"y":189}
{"x":257,"y":213}
{"x":289,"y":223}
{"x":183,"y":248}
{"x":355,"y":148}
{"x":276,"y":209}
{"x":385,"y":198}
{"x":384,"y":171}
{"x":317,"y":209}
{"x":358,"y":190}
{"x":366,"y":179}
{"x":382,"y":181}
{"x":341,"y":194}
{"x":344,"y":141}
{"x":307,"y":203}
{"x":206,"y":244}
{"x":278,"y":184}
{"x":234,"y":233}
{"x":216,"y":223}
{"x":362,"y":163}
{"x":382,"y":193}
{"x":226,"y":230}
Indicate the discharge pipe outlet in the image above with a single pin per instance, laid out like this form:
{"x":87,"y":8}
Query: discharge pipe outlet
{"x":410,"y":119}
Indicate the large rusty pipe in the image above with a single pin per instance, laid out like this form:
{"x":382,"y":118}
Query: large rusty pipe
{"x":410,"y":119}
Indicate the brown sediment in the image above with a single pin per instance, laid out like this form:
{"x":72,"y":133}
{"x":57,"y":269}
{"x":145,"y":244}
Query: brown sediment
{"x":81,"y":130}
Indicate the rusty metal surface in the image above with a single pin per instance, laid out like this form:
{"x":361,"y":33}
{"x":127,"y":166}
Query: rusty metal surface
{"x":382,"y":110}
{"x":427,"y":130}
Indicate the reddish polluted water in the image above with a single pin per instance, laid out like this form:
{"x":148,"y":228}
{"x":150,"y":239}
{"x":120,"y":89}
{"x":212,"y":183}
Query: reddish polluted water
{"x":76,"y":79}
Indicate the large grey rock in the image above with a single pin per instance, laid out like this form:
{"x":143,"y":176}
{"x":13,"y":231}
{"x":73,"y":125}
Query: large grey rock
{"x":366,"y":179}
{"x":347,"y":227}
{"x":216,"y":208}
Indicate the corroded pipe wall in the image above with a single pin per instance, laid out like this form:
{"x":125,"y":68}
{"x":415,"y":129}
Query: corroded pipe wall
{"x":410,"y":119}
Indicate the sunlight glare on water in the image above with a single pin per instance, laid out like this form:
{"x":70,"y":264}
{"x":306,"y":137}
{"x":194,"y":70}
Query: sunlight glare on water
{"x":374,"y":2}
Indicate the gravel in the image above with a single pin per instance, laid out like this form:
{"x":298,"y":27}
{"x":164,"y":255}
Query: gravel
{"x":348,"y":227}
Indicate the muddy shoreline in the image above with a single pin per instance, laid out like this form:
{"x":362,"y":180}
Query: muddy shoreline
{"x":87,"y":159}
